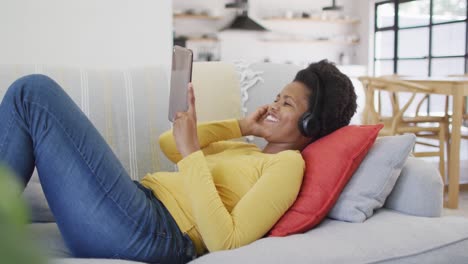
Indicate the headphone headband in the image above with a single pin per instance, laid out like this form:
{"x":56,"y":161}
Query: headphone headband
{"x":317,"y":96}
{"x":309,"y":123}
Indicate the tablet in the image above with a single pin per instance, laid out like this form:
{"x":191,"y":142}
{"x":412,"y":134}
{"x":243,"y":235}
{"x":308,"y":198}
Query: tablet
{"x":181,"y":75}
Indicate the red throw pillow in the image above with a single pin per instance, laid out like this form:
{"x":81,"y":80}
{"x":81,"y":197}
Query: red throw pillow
{"x":330,"y":163}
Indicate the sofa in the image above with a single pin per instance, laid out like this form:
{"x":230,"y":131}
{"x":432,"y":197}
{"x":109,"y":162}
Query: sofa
{"x":129,"y":108}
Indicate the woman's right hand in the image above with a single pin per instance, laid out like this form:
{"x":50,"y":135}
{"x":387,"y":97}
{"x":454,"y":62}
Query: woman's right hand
{"x":251,"y":124}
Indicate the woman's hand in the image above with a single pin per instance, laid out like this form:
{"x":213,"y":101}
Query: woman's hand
{"x":185,"y":127}
{"x":251,"y":124}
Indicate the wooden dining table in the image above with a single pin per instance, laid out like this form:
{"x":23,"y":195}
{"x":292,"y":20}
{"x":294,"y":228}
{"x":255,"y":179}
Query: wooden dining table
{"x":457,"y":88}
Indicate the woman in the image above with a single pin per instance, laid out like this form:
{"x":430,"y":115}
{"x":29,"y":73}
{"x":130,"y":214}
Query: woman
{"x":226,"y":194}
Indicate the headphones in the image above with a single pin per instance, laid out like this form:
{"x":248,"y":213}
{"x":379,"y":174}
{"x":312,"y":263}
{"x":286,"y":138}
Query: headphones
{"x":309,"y":122}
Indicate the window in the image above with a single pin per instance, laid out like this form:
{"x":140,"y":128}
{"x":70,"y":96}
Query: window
{"x":420,"y":37}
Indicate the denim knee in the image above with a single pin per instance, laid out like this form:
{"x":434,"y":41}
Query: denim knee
{"x":30,"y":86}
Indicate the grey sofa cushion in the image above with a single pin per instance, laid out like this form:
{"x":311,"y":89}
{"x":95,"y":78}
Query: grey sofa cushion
{"x":36,"y":201}
{"x":386,"y":235}
{"x":378,"y":239}
{"x":48,"y":238}
{"x":418,"y":191}
{"x":454,"y":253}
{"x":375,"y":178}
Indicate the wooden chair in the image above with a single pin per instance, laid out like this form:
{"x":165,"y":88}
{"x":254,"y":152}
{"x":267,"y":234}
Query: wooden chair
{"x":465,"y":116}
{"x":400,"y":121}
{"x":425,"y":99}
{"x":445,"y":114}
{"x":465,"y":107}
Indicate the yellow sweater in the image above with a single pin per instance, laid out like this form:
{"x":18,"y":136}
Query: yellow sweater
{"x":228,"y":194}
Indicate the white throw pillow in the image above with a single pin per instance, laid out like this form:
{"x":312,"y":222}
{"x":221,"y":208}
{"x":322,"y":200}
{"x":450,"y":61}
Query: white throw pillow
{"x":375,"y":178}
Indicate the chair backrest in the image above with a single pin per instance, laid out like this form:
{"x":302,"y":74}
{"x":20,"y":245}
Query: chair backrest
{"x":375,"y":87}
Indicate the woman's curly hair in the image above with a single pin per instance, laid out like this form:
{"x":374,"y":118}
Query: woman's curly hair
{"x":338,"y":99}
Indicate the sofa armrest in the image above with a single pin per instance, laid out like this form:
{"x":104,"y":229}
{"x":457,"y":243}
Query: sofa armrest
{"x":418,"y":191}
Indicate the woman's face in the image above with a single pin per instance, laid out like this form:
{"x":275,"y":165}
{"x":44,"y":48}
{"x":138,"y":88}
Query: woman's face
{"x":284,"y":113}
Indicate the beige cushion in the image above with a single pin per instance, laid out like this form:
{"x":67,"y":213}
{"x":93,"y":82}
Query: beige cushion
{"x":217,"y":92}
{"x":128,"y":106}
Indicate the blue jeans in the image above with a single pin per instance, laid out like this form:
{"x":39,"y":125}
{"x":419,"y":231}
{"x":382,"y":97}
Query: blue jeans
{"x":100,"y":211}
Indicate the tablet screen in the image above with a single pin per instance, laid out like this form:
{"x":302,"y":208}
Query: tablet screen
{"x":181,"y":75}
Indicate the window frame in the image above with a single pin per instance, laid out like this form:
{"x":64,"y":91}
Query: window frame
{"x":395,"y":28}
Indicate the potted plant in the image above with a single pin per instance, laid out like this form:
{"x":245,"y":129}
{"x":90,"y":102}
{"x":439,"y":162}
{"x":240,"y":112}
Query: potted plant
{"x":15,"y":245}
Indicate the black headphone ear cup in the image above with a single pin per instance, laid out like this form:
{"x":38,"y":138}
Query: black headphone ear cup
{"x":308,"y":125}
{"x":313,"y":127}
{"x":304,"y":124}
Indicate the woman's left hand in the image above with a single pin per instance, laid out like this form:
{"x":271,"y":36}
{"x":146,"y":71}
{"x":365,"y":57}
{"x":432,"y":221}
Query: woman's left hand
{"x":185,"y":127}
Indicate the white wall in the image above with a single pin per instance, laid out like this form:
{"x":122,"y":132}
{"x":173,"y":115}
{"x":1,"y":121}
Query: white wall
{"x":96,"y":33}
{"x":253,"y":49}
{"x":364,"y":10}
{"x":354,"y":8}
